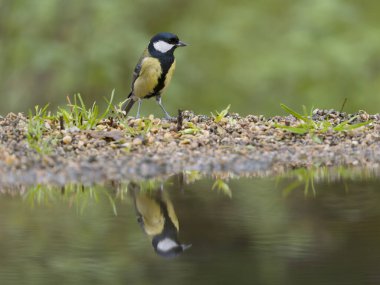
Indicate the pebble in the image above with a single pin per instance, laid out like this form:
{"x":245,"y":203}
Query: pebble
{"x":137,"y":141}
{"x":168,"y":136}
{"x":81,"y":144}
{"x":67,"y":139}
{"x":72,"y":130}
{"x":185,"y":141}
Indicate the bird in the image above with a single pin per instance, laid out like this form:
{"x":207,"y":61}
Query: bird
{"x":156,"y":216}
{"x":153,"y":71}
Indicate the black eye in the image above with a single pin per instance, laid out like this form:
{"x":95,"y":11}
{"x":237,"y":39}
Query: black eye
{"x":173,"y":40}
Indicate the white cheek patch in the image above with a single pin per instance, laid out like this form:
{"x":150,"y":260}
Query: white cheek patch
{"x":166,"y":244}
{"x":162,"y":46}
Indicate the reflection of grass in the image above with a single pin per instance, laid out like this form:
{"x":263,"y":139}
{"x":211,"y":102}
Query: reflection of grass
{"x":121,"y":191}
{"x":81,"y":197}
{"x":307,"y":178}
{"x":301,"y":177}
{"x":40,"y":195}
{"x":222,"y":186}
{"x":74,"y":194}
{"x":151,"y":184}
{"x":190,"y":176}
{"x":220,"y":180}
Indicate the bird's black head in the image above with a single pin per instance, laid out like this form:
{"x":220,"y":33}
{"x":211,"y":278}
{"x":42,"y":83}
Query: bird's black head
{"x":168,"y":247}
{"x":165,"y":43}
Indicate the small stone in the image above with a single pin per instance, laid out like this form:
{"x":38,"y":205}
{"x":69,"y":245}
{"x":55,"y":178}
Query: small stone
{"x":168,"y":136}
{"x":185,"y":142}
{"x":194,"y":145}
{"x":220,"y":131}
{"x":47,"y":126}
{"x":67,"y":139}
{"x":165,"y":125}
{"x":83,"y":137}
{"x":101,"y":127}
{"x":154,"y":130}
{"x":10,"y":159}
{"x":364,"y":116}
{"x":137,"y":141}
{"x":81,"y":144}
{"x":150,"y":139}
{"x":68,"y":148}
{"x":172,"y":144}
{"x":72,"y":130}
{"x":126,"y":145}
{"x":225,"y":140}
{"x":195,"y":119}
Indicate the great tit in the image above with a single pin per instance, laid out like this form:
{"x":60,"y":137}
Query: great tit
{"x":156,"y":216}
{"x":153,"y":71}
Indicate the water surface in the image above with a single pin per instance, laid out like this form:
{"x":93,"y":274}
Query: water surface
{"x":298,"y":229}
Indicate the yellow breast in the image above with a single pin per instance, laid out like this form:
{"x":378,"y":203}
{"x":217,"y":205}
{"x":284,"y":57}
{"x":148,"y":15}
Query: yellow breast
{"x":151,"y":213}
{"x":148,"y":77}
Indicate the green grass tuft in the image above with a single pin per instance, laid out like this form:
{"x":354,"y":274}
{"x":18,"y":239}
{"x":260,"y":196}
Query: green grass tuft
{"x":141,"y":129}
{"x":81,"y":116}
{"x":309,"y":126}
{"x":35,"y":131}
{"x":220,"y":115}
{"x":190,"y":129}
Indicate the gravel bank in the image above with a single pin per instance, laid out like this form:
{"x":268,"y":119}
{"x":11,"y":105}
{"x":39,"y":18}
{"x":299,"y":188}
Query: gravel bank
{"x":136,"y":149}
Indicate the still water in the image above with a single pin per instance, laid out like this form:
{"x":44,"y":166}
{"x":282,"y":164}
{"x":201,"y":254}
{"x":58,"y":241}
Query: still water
{"x":191,"y":229}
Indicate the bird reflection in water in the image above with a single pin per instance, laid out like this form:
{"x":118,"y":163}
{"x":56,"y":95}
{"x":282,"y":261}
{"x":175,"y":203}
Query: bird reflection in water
{"x":156,"y":216}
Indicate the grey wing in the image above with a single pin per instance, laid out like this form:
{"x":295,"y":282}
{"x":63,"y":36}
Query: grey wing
{"x":136,"y":72}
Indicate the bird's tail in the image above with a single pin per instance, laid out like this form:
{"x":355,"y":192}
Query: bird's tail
{"x":127,"y":106}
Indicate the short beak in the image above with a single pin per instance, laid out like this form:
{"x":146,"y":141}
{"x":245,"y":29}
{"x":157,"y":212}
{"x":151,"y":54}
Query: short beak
{"x":181,"y":44}
{"x":185,"y":246}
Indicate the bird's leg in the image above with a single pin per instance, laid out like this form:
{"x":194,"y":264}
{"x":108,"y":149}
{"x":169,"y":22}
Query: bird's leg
{"x":138,"y":108}
{"x":158,"y":99}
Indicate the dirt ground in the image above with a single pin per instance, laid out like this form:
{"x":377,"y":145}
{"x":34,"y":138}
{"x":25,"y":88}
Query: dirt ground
{"x":150,"y":147}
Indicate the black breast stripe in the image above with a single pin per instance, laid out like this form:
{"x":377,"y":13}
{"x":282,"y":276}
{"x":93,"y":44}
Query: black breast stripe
{"x":166,"y":63}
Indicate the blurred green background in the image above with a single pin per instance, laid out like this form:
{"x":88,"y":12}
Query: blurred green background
{"x":252,"y":54}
